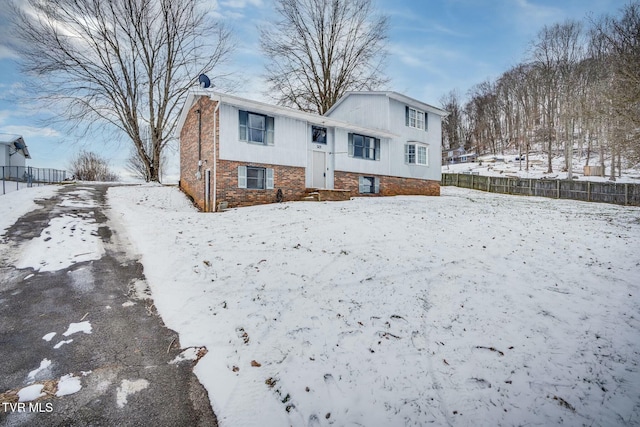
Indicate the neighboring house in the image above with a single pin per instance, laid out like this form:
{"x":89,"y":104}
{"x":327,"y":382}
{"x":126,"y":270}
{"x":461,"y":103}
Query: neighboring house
{"x":458,"y":155}
{"x":13,"y":155}
{"x":242,"y":152}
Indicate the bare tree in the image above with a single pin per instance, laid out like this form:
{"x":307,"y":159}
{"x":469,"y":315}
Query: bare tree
{"x":136,"y":166}
{"x":620,"y":39}
{"x":89,"y":166}
{"x":119,"y":63}
{"x":322,"y":48}
{"x":452,"y":125}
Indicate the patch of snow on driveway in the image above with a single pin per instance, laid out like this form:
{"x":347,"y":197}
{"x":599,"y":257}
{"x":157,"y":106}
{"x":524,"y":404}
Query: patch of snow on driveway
{"x":128,"y":388}
{"x":67,"y":240}
{"x":78,"y":327}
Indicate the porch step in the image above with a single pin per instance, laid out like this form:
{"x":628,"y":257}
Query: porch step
{"x":324,"y":195}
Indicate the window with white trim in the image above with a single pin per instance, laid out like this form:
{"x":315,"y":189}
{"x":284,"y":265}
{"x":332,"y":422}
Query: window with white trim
{"x":256,"y":178}
{"x":256,"y":128}
{"x":416,"y":154}
{"x":369,"y":184}
{"x":415,"y":118}
{"x":364,"y":147}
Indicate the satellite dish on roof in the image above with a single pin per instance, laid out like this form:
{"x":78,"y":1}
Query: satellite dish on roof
{"x":204,"y":81}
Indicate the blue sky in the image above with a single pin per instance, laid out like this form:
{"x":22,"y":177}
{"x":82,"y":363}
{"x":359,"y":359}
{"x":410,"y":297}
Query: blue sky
{"x":434,"y":47}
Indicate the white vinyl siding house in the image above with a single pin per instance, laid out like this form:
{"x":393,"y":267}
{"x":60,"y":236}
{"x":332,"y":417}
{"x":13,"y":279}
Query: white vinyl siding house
{"x":364,"y":138}
{"x":416,"y":129}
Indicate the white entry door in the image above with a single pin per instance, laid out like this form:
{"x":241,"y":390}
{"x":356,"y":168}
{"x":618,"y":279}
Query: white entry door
{"x":319,"y":170}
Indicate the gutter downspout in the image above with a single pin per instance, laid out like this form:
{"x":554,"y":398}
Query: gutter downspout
{"x":215,"y":157}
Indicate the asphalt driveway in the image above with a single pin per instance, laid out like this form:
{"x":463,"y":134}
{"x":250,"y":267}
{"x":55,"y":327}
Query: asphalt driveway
{"x":79,"y":329}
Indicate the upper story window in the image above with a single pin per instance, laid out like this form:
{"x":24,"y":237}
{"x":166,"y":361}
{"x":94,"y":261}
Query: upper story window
{"x":256,"y":128}
{"x":364,"y":147}
{"x":318,"y":135}
{"x":415,"y":118}
{"x":415,"y":154}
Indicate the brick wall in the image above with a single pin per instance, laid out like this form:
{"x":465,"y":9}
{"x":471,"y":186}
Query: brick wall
{"x":189,"y":149}
{"x":289,"y":179}
{"x":389,"y":185}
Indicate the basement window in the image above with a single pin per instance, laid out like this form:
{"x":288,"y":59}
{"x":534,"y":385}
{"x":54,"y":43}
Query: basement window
{"x":256,"y":178}
{"x":369,"y":185}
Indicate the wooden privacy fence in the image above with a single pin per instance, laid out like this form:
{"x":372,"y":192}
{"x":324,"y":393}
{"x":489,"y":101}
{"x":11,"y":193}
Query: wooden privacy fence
{"x":606,"y":192}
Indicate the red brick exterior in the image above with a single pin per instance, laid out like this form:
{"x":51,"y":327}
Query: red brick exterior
{"x":389,"y":185}
{"x":193,"y":187}
{"x":289,"y":179}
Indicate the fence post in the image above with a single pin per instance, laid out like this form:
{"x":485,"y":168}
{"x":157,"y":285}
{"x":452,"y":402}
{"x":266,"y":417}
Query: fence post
{"x":626,"y":194}
{"x":557,"y":189}
{"x":457,"y":180}
{"x":472,"y":182}
{"x":488,"y":184}
{"x":588,"y":191}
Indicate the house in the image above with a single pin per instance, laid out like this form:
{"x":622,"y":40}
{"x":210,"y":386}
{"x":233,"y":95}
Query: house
{"x":13,"y":156}
{"x":241,"y":152}
{"x":458,"y":155}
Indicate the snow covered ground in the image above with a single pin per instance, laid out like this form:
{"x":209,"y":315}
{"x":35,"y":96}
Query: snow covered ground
{"x":507,"y":165}
{"x":466,"y":309}
{"x":17,"y":203}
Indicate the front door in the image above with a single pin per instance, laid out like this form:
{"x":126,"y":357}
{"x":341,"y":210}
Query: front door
{"x":319,"y":170}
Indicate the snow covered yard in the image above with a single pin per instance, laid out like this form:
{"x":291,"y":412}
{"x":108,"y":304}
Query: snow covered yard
{"x":466,"y":309}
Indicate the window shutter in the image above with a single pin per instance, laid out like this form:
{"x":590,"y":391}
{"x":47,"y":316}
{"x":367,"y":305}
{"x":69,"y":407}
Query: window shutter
{"x":270,"y":130}
{"x":377,"y":149}
{"x":426,"y":155}
{"x":426,"y":121}
{"x":406,"y":153}
{"x":376,"y":185}
{"x":242,"y":177}
{"x":350,"y":145}
{"x":361,"y":188}
{"x":243,"y":118}
{"x":269,"y":178}
{"x":406,"y":115}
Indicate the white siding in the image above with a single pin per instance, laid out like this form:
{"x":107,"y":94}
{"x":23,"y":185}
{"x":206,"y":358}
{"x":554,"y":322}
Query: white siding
{"x":381,"y":112}
{"x":17,"y":159}
{"x":407,"y":134}
{"x":4,"y":155}
{"x":290,"y":141}
{"x":364,"y":110}
{"x":343,"y":162}
{"x":293,"y":145}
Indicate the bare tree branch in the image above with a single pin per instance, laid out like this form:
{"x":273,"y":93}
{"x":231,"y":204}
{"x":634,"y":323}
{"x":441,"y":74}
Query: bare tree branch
{"x":321,"y":49}
{"x":121,"y":63}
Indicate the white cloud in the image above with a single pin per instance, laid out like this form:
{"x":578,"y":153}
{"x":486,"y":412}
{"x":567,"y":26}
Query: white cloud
{"x":7,"y":53}
{"x":241,"y":4}
{"x":530,"y":17}
{"x":30,"y":131}
{"x":4,"y":114}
